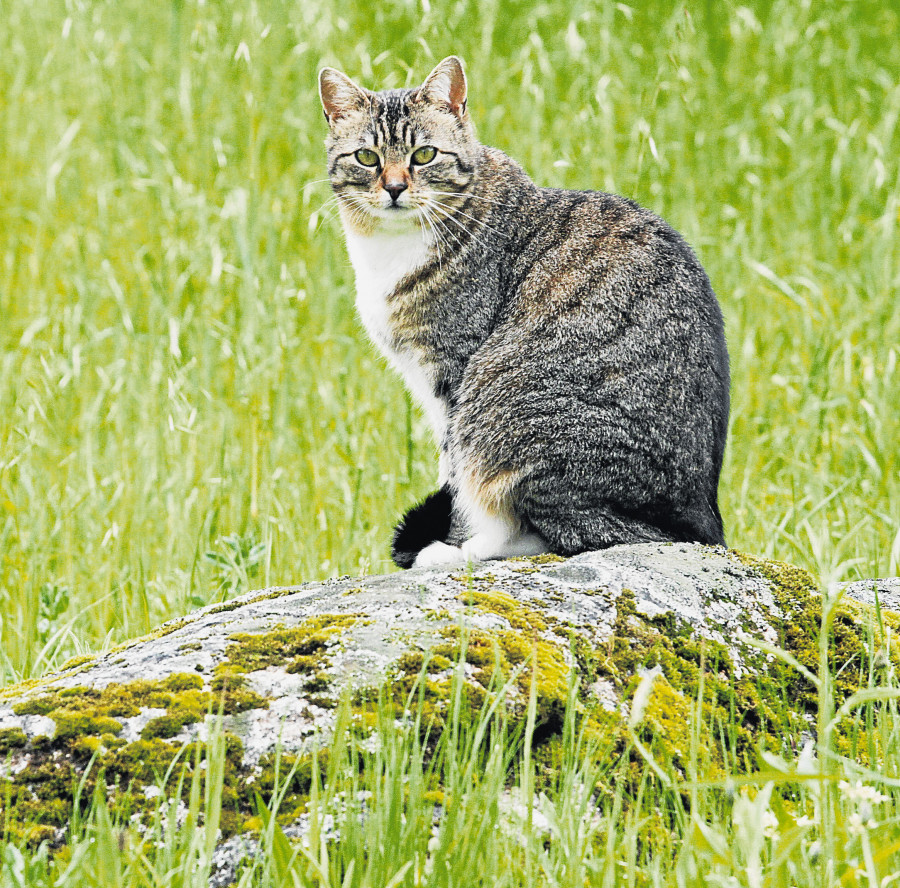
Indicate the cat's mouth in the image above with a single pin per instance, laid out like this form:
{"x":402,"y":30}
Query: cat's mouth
{"x":394,"y":205}
{"x":394,"y":211}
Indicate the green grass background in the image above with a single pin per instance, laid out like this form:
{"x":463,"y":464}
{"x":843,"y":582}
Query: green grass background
{"x":188,"y":405}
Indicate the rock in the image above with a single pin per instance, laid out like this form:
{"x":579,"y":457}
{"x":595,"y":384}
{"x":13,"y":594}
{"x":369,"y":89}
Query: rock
{"x":279,"y":663}
{"x":887,"y":591}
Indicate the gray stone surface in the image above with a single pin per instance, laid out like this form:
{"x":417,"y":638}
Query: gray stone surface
{"x":716,"y":593}
{"x":709,"y":588}
{"x":887,"y":592}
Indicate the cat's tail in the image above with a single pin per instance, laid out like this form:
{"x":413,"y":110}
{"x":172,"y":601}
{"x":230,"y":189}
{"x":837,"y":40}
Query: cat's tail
{"x":426,"y":523}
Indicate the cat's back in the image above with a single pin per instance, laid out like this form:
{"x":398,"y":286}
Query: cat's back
{"x":604,"y":256}
{"x":611,"y":346}
{"x":608,"y":374}
{"x":606,"y":296}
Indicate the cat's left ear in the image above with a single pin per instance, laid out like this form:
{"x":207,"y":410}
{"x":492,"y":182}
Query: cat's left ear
{"x":339,"y":94}
{"x":446,"y":85}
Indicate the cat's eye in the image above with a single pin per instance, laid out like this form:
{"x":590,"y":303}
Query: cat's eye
{"x":424,"y":155}
{"x":367,"y":157}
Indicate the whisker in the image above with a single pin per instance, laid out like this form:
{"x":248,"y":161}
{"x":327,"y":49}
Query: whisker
{"x":441,"y":215}
{"x":352,"y":203}
{"x":475,"y":236}
{"x":442,"y":242}
{"x":474,"y":219}
{"x":357,"y":213}
{"x":465,"y":196}
{"x":450,"y":217}
{"x":315,"y":182}
{"x":439,"y":229}
{"x":427,"y":218}
{"x":423,"y":217}
{"x":327,"y":211}
{"x":460,"y":212}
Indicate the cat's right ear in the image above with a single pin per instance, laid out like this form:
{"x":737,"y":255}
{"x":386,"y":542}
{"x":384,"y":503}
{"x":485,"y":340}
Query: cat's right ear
{"x":446,"y":86}
{"x":339,"y":94}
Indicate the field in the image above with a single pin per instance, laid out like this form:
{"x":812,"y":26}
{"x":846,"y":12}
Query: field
{"x":188,"y":405}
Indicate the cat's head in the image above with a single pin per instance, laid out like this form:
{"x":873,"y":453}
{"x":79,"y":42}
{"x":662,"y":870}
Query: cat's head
{"x":401,"y":154}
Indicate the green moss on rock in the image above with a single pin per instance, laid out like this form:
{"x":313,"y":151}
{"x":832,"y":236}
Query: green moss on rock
{"x":77,"y":662}
{"x":744,"y":698}
{"x":73,"y":724}
{"x":230,"y":691}
{"x":41,"y":796}
{"x":497,"y":655}
{"x":80,"y":712}
{"x":11,"y":738}
{"x":190,"y":646}
{"x":303,"y":647}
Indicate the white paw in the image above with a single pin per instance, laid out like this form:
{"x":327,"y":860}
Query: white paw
{"x":481,"y":547}
{"x":487,"y":546}
{"x":439,"y":555}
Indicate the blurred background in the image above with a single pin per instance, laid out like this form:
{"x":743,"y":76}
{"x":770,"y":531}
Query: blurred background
{"x":189,"y":407}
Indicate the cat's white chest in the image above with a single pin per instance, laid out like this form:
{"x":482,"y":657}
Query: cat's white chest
{"x":381,"y":261}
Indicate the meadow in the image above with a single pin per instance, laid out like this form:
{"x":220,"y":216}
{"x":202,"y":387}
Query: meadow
{"x":188,"y":405}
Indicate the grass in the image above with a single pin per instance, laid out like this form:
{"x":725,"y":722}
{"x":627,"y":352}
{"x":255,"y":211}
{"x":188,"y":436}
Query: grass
{"x":189,"y":408}
{"x":188,"y":405}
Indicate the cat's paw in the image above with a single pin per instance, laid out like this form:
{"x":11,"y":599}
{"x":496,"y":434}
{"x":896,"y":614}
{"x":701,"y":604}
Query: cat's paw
{"x":439,"y":555}
{"x":481,"y":547}
{"x":487,"y":546}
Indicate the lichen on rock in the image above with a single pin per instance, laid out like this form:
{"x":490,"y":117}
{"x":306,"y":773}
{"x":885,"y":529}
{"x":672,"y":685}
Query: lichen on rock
{"x":274,"y":665}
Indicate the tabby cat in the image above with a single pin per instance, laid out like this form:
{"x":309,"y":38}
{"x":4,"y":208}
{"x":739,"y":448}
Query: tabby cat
{"x":566,"y":346}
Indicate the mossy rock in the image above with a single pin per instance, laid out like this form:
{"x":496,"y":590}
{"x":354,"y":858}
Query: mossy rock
{"x":274,"y":665}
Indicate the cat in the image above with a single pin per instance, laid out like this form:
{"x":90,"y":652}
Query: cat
{"x":566,"y":347}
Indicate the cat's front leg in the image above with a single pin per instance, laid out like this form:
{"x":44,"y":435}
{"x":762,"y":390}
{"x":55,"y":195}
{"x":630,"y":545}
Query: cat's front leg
{"x":495,"y":531}
{"x":483,"y":509}
{"x":439,"y":554}
{"x":485,"y":546}
{"x":500,"y":542}
{"x":490,"y":543}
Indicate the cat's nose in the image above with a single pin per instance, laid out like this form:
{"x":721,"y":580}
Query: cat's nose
{"x":395,"y":189}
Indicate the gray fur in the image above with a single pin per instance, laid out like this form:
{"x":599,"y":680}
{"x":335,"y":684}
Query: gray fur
{"x":573,"y":336}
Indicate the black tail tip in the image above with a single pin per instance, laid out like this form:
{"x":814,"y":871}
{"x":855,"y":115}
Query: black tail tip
{"x":424,"y":524}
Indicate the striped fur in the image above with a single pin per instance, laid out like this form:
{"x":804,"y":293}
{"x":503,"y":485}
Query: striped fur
{"x":566,"y":346}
